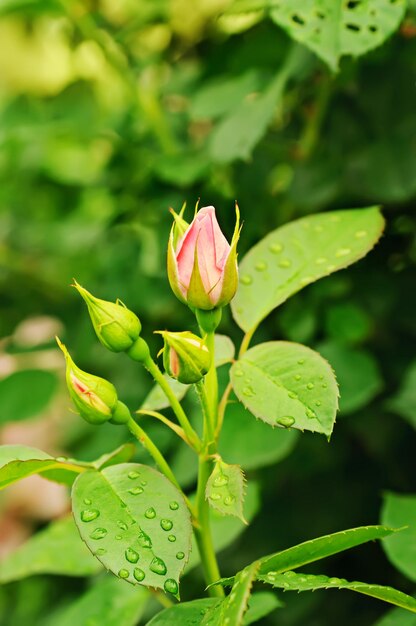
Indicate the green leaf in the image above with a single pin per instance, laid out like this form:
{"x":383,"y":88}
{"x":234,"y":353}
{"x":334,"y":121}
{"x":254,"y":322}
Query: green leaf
{"x":135,"y":522}
{"x":184,"y":614}
{"x":156,"y":399}
{"x":334,"y":28}
{"x":322,"y":547}
{"x":287,"y":385}
{"x":232,"y":609}
{"x":404,"y":402}
{"x":290,"y":581}
{"x":236,"y":136}
{"x":225,"y":489}
{"x":397,"y":617}
{"x":400,"y":510}
{"x":17,"y":462}
{"x":247,"y":441}
{"x":260,"y":604}
{"x":108,"y":603}
{"x":55,"y":550}
{"x":25,"y":394}
{"x":358,"y":374}
{"x":226,"y":529}
{"x":299,"y":253}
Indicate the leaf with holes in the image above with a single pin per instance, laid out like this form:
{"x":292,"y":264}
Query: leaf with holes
{"x":400,"y":510}
{"x":298,"y":254}
{"x":287,"y":385}
{"x":231,"y":610}
{"x":56,"y":549}
{"x":225,"y":489}
{"x":135,"y":522}
{"x":291,"y":581}
{"x":332,"y":28}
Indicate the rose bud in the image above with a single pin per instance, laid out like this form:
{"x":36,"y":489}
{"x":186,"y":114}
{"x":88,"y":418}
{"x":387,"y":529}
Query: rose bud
{"x":185,"y":356}
{"x":94,"y":397}
{"x":116,"y":327}
{"x":202,"y":265}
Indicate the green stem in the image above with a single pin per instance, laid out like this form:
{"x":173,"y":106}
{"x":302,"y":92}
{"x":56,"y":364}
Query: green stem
{"x":203,"y":533}
{"x":153,"y":450}
{"x":211,"y":384}
{"x":191,"y":435}
{"x":206,"y":409}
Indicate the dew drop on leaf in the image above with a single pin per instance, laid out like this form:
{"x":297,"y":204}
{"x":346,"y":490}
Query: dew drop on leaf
{"x":221,"y":480}
{"x":285,"y":263}
{"x":342,"y":252}
{"x":228,"y":500}
{"x":310,"y":414}
{"x":144,"y":540}
{"x":122,"y":525}
{"x":171,"y":586}
{"x":131,"y":555}
{"x":174,"y":506}
{"x":150,"y":513}
{"x":261,"y":266}
{"x":286,"y":421}
{"x":166,"y":524}
{"x":88,"y":515}
{"x":172,"y":538}
{"x":101,"y":551}
{"x":292,"y":395}
{"x":180,"y":555}
{"x":157,"y":566}
{"x":133,"y":475}
{"x":248,"y":391}
{"x":98,"y":533}
{"x":276,"y":248}
{"x":124,"y":573}
{"x":135,"y":491}
{"x":360,"y":234}
{"x":310,"y":386}
{"x":246,"y":279}
{"x":87,"y":501}
{"x":138,"y":574}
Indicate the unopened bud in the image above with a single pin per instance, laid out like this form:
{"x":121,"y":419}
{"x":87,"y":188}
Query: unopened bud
{"x":116,"y":327}
{"x":185,"y":356}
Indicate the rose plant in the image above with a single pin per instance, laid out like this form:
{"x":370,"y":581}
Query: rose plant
{"x":137,"y":521}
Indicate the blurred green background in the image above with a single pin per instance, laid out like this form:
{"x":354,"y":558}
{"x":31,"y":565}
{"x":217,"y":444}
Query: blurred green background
{"x":112,"y":112}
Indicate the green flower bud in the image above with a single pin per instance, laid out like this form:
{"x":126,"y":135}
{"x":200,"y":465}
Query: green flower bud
{"x":185,"y":356}
{"x":95,"y":398}
{"x":116,"y":327}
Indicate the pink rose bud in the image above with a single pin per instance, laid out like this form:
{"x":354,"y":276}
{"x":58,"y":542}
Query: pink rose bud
{"x":202,"y":265}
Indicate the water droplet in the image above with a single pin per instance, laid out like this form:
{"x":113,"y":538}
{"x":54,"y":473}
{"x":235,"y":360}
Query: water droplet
{"x":297,"y":377}
{"x":89,"y":515}
{"x":321,"y":260}
{"x":310,"y":414}
{"x":61,"y":459}
{"x":310,"y":386}
{"x":172,"y":538}
{"x":324,"y":385}
{"x":144,"y":540}
{"x":138,"y":574}
{"x":118,"y":537}
{"x":301,"y":361}
{"x":238,"y":372}
{"x":221,"y":480}
{"x":87,"y":501}
{"x":292,"y":395}
{"x":248,"y":391}
{"x":150,"y":513}
{"x":143,"y":482}
{"x":290,"y":574}
{"x":334,"y":581}
{"x":276,"y":248}
{"x":166,"y":524}
{"x":215,"y":496}
{"x":331,"y":268}
{"x":228,"y":500}
{"x":318,"y":403}
{"x":261,"y":266}
{"x":180,"y":555}
{"x":306,"y":280}
{"x":285,"y":263}
{"x":246,"y":279}
{"x":174,"y":506}
{"x":171,"y":586}
{"x":133,"y":474}
{"x":286,"y":421}
{"x":101,"y":551}
{"x":131,"y":555}
{"x":122,"y":525}
{"x":342,"y":252}
{"x":360,"y":234}
{"x":98,"y":533}
{"x":136,"y":491}
{"x":124,"y":573}
{"x":158,"y":566}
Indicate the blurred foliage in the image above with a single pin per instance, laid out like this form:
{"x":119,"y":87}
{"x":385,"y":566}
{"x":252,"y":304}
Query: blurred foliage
{"x":110,"y":113}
